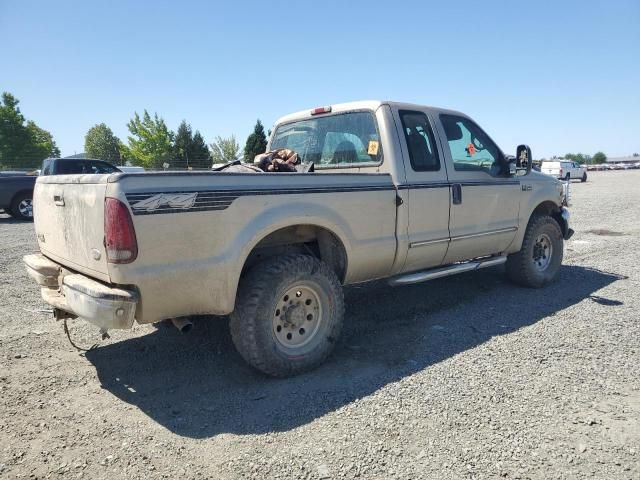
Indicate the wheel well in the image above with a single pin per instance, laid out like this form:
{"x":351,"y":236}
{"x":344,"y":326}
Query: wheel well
{"x":551,"y":209}
{"x":306,"y":239}
{"x":17,"y":194}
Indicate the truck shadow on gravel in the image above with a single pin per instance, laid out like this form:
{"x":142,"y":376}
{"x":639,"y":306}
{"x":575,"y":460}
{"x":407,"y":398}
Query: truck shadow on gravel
{"x":197,"y":386}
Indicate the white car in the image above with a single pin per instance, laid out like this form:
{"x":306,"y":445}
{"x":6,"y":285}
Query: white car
{"x":564,"y":169}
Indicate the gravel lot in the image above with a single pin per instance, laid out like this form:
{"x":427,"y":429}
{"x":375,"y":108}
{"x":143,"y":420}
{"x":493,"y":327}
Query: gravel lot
{"x":464,"y":377}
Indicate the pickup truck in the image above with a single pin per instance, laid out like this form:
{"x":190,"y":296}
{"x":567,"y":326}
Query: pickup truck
{"x":16,"y":191}
{"x":564,"y":170}
{"x":400,"y":191}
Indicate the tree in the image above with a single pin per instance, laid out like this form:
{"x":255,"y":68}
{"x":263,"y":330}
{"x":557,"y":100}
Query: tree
{"x":224,"y":150}
{"x":256,"y":143}
{"x":150,"y":142}
{"x":22,"y":143}
{"x":578,"y":157}
{"x":40,"y":146}
{"x":599,"y":157}
{"x":201,"y":154}
{"x":101,"y":143}
{"x":190,"y":150}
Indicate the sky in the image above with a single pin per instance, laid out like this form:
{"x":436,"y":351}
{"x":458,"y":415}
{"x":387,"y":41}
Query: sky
{"x":561,"y":76}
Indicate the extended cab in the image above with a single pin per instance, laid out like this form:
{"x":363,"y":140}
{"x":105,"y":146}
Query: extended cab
{"x":400,"y":191}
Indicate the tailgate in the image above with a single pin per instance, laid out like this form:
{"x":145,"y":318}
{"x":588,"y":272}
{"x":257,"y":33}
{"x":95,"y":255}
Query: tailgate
{"x":69,"y":221}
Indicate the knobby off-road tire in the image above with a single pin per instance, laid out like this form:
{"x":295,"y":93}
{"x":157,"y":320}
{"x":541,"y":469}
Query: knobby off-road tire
{"x":288,"y":315}
{"x":538,"y":261}
{"x":22,"y":206}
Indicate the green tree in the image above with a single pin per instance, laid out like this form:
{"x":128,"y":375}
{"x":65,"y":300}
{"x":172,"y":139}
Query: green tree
{"x":22,"y":143}
{"x":599,"y":157}
{"x":101,"y":143}
{"x":150,"y":143}
{"x":578,"y":157}
{"x":224,"y":150}
{"x":201,"y":153}
{"x":190,"y":150}
{"x":256,"y":143}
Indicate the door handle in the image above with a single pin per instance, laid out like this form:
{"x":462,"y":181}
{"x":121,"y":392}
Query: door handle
{"x":456,"y":193}
{"x":58,"y":200}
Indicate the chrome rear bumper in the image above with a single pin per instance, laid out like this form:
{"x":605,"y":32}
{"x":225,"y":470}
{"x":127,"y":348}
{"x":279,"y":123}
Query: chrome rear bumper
{"x":102,"y":305}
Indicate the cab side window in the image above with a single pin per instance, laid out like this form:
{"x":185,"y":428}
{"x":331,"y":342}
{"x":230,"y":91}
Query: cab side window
{"x":420,"y":141}
{"x":471,"y":149}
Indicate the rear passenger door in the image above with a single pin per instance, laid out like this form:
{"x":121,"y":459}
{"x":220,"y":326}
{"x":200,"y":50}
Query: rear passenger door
{"x":428,"y":192}
{"x":485,"y":200}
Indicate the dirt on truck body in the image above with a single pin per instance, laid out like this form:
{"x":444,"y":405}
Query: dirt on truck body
{"x":399,"y":191}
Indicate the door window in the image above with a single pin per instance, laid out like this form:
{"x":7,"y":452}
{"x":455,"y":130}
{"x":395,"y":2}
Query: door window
{"x":471,"y":149}
{"x":420,"y":141}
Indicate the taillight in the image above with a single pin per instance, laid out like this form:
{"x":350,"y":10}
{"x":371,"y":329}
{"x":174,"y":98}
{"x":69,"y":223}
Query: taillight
{"x":119,"y":234}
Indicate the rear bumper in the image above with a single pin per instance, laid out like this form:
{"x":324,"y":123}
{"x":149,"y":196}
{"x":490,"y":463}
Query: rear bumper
{"x":102,"y":305}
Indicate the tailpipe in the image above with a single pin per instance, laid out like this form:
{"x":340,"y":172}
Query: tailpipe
{"x":183,"y":324}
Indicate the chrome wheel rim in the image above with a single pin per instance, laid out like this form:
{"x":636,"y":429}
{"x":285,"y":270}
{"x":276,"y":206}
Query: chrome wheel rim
{"x":542,"y":252}
{"x":25,"y":207}
{"x":297,"y":317}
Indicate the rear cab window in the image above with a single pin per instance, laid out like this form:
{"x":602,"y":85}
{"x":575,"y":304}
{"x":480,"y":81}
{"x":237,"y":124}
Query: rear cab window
{"x":346,"y":140}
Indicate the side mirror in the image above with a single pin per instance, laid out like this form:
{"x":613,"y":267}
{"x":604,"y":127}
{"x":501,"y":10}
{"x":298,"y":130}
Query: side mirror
{"x":524,"y":160}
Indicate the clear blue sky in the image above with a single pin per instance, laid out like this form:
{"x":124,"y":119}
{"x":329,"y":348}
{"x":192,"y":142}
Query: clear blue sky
{"x":562,"y":76}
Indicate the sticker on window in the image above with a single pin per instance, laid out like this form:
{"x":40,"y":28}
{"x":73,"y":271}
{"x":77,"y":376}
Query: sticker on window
{"x":471,"y":149}
{"x":373,"y":147}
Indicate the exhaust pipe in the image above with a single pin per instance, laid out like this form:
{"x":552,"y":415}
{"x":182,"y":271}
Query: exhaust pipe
{"x":183,"y":324}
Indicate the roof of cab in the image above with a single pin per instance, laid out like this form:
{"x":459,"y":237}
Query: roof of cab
{"x":361,"y":105}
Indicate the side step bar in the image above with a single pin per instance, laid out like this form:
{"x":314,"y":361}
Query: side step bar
{"x":425,"y":275}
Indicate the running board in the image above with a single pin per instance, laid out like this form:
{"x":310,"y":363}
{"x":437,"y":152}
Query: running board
{"x":418,"y":277}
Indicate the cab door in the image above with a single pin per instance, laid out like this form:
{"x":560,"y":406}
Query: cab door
{"x":485,"y":200}
{"x":427,"y":191}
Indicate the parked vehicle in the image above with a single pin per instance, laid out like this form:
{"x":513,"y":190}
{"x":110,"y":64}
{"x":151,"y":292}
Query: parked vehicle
{"x":16,"y":188}
{"x":400,"y":191}
{"x":16,"y":192}
{"x":66,"y":166}
{"x":564,"y":169}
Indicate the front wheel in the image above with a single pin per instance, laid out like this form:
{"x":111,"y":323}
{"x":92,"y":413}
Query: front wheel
{"x":538,"y":261}
{"x":288,"y":315}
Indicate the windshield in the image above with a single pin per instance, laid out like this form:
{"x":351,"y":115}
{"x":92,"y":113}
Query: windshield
{"x":343,"y":140}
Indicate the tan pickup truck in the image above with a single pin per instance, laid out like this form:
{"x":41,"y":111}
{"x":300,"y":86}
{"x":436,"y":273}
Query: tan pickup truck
{"x":400,"y":191}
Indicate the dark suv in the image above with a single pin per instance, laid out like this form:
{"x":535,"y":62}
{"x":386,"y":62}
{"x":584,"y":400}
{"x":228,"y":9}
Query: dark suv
{"x":16,"y":188}
{"x":64,"y":166}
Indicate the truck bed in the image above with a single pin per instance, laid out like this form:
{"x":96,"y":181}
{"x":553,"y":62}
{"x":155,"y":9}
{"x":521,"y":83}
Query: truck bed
{"x":195,"y":230}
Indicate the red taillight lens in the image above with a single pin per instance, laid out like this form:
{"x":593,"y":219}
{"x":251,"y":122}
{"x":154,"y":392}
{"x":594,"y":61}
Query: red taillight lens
{"x":119,"y":234}
{"x":320,"y":110}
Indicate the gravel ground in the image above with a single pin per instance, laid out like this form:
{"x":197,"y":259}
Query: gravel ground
{"x":464,"y":377}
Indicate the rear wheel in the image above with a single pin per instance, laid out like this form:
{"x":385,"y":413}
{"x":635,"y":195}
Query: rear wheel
{"x":288,"y":315}
{"x":584,"y":177}
{"x":22,"y":206}
{"x":567,"y":177}
{"x":538,"y":261}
